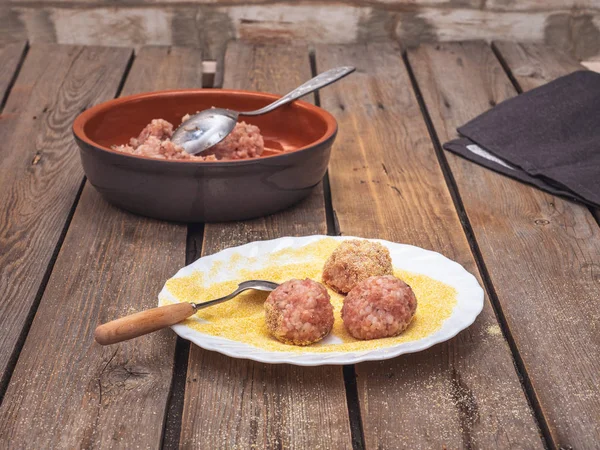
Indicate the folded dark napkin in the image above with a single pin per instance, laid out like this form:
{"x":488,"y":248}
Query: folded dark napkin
{"x":548,"y":137}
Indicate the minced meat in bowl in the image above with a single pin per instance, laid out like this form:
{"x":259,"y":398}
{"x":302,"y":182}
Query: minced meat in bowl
{"x":296,"y":139}
{"x":154,"y":141}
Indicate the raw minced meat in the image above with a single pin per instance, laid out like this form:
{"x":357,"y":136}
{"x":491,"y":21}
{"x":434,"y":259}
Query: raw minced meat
{"x":245,"y":141}
{"x":299,"y":312}
{"x":353,"y":261}
{"x":158,"y":128}
{"x":379,"y":307}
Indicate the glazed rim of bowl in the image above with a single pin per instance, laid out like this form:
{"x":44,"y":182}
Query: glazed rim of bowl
{"x":82,"y":119}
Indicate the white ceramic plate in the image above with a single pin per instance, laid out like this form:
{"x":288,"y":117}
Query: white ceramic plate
{"x":407,"y":257}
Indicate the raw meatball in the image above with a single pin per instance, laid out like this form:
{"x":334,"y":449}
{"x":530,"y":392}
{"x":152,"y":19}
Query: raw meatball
{"x":354,"y":261}
{"x":299,"y":312}
{"x":379,"y":307}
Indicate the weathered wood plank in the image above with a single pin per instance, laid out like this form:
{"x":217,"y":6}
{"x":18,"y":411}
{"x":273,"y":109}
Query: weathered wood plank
{"x":40,"y":173}
{"x":10,"y":56}
{"x":541,"y":251}
{"x":162,"y":67}
{"x":386,"y":182}
{"x":534,"y":64}
{"x":68,"y":391}
{"x":253,"y":405}
{"x":510,"y":5}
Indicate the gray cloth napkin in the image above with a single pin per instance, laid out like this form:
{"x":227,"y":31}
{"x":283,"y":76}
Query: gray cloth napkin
{"x":548,"y":137}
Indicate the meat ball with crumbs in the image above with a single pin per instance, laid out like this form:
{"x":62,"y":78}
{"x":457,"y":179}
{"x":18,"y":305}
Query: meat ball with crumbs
{"x":354,"y":261}
{"x":379,"y":307}
{"x":299,"y":312}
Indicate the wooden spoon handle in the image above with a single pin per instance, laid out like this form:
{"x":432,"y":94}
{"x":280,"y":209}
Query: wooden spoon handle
{"x":141,"y":323}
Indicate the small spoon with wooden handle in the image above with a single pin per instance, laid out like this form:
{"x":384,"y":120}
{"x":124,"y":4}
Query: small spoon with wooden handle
{"x":155,"y":319}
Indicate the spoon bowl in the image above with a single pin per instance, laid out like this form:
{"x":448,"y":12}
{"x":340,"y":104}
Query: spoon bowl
{"x":205,"y":129}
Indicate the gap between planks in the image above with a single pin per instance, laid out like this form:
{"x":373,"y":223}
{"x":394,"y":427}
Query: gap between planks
{"x":195,"y":236}
{"x":349,"y":372}
{"x":173,"y":421}
{"x":13,"y":77}
{"x":489,"y":287}
{"x":9,"y":82}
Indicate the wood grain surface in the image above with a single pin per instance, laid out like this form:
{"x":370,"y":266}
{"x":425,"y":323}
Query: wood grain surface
{"x":143,"y":322}
{"x":535,"y":64}
{"x":542,"y":253}
{"x":386,"y":183}
{"x":68,"y":391}
{"x":40,"y":173}
{"x":10,"y":57}
{"x":232,"y":403}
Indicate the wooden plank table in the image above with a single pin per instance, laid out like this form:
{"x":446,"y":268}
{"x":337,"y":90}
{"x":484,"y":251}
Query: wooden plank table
{"x":525,"y":375}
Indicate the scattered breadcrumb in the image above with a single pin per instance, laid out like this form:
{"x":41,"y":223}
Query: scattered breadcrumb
{"x":494,"y":330}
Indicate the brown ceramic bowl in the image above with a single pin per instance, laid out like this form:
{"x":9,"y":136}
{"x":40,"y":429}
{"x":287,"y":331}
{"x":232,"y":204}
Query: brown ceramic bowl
{"x":189,"y":191}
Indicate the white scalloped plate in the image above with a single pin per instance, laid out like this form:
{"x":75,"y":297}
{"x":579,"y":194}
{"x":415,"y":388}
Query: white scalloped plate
{"x":407,"y":257}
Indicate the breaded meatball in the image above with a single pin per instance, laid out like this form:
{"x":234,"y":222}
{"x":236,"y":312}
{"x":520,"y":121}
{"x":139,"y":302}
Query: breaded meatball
{"x":299,"y":312}
{"x":354,"y":261}
{"x":379,"y":307}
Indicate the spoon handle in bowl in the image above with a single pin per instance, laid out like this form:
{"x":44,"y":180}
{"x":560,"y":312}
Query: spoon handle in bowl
{"x":321,"y":80}
{"x":141,"y":323}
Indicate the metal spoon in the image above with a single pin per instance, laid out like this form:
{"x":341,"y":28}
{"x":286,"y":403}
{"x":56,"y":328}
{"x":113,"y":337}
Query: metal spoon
{"x":155,"y":319}
{"x":209,"y":127}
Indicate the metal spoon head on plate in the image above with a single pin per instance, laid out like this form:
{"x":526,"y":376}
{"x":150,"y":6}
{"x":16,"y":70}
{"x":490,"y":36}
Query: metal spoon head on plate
{"x":258,"y":285}
{"x":205,"y":129}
